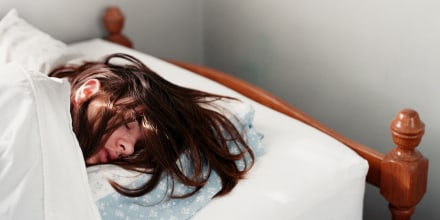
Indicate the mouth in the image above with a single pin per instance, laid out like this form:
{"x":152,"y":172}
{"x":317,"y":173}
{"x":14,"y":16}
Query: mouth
{"x":111,"y":155}
{"x":104,"y":156}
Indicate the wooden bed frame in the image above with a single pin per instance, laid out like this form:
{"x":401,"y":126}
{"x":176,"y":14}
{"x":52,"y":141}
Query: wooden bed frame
{"x":401,"y":174}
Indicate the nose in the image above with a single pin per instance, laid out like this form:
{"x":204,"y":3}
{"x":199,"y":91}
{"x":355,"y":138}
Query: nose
{"x":126,"y":148}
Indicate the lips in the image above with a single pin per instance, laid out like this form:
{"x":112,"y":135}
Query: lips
{"x":111,"y":155}
{"x":103,"y":155}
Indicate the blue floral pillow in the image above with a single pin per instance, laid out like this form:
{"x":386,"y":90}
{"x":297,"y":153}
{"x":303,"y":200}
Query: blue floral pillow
{"x":155,"y":204}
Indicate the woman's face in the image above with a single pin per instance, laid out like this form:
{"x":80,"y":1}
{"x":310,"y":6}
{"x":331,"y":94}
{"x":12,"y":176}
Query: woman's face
{"x":121,"y":143}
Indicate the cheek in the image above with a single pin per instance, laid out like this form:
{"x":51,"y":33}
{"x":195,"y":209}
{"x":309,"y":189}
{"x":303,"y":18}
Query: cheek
{"x":95,"y":108}
{"x":113,"y":137}
{"x":120,"y":133}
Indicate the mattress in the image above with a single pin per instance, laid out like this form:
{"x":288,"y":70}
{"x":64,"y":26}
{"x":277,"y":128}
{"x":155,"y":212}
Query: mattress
{"x":303,"y":174}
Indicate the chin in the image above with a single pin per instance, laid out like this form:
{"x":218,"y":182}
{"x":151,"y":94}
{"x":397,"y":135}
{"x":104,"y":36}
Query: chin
{"x":91,"y":161}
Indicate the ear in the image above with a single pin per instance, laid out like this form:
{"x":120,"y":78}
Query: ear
{"x":86,"y":90}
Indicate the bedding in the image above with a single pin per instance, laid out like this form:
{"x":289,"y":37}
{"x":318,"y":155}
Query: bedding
{"x":36,"y":52}
{"x":32,"y":52}
{"x":287,"y":181}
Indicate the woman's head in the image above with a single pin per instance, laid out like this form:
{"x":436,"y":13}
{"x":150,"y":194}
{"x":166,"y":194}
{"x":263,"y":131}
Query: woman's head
{"x":108,"y":106}
{"x":124,"y":113}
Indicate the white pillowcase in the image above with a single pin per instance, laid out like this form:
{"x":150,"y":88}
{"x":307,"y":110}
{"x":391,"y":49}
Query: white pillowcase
{"x":33,"y":49}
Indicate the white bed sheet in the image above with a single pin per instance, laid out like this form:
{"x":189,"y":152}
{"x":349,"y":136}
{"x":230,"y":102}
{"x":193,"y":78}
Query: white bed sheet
{"x":304,"y":173}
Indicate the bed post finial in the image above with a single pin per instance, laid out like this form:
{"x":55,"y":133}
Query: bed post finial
{"x":114,"y":23}
{"x":404,"y":169}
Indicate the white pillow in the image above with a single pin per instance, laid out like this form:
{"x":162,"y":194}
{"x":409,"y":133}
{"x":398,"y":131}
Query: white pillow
{"x":30,"y":47}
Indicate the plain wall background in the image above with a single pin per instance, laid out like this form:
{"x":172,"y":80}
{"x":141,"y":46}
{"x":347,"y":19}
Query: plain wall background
{"x":351,"y":64}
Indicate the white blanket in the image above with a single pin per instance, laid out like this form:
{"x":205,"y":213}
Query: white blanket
{"x":42,"y":172}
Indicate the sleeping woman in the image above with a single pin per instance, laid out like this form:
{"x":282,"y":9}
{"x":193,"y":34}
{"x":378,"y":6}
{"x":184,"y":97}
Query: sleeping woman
{"x":124,"y":113}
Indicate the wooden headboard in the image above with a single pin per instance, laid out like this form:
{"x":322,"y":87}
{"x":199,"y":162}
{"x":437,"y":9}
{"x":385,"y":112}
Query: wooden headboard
{"x":401,"y":174}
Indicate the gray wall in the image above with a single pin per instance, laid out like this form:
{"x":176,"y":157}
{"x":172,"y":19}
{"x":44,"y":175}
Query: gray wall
{"x":351,"y":64}
{"x":166,"y":28}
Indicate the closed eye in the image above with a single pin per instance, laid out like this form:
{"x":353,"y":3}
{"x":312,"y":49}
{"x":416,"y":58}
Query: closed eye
{"x":130,"y":125}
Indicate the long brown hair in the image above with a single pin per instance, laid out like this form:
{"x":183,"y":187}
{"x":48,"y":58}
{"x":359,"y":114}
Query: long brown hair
{"x":176,"y":121}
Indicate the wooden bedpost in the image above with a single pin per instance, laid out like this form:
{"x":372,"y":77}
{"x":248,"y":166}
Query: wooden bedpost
{"x":114,"y":23}
{"x":404,"y":169}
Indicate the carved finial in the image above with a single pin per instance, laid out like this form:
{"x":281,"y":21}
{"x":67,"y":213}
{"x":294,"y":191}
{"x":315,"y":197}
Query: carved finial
{"x":404,"y":170}
{"x":114,"y":23}
{"x":407,"y":129}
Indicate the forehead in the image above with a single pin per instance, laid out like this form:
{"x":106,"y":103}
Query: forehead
{"x":99,"y":107}
{"x":127,"y":104}
{"x":132,"y":113}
